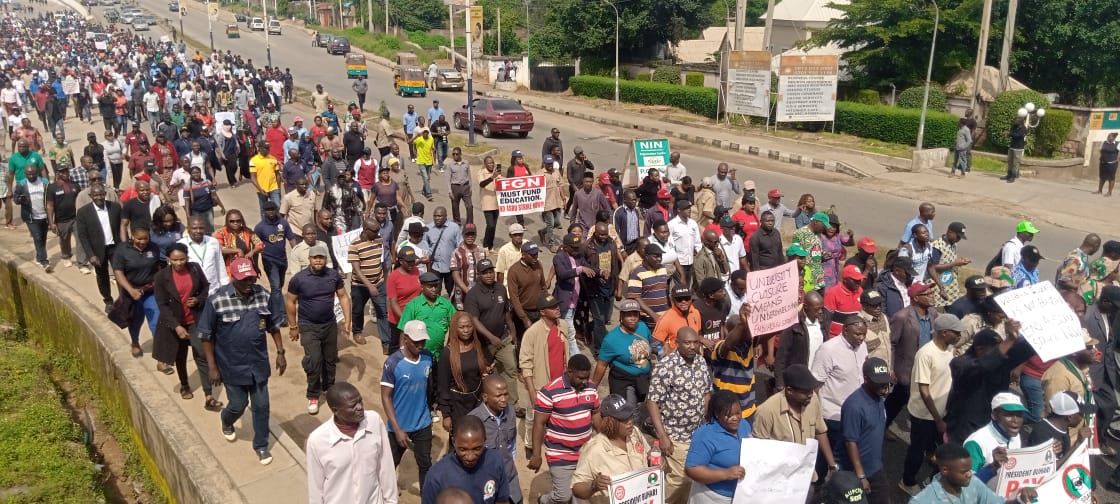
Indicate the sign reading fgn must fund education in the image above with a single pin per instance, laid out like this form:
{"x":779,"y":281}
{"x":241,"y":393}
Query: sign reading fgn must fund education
{"x":644,"y":486}
{"x":807,"y":88}
{"x":773,"y":298}
{"x":520,"y":195}
{"x":748,"y":83}
{"x":651,"y":154}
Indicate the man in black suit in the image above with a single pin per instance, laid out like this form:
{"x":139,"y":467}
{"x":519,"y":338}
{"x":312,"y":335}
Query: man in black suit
{"x":98,"y":226}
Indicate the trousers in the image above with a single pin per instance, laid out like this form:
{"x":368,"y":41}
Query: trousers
{"x":239,"y":397}
{"x":320,"y":355}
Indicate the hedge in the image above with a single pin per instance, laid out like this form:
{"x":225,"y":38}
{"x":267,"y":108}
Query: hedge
{"x":698,"y":100}
{"x":668,"y":74}
{"x":912,"y":98}
{"x":644,"y":76}
{"x":868,"y":97}
{"x":895,"y":125}
{"x":694,"y":79}
{"x":1004,"y":110}
{"x":1053,"y":130}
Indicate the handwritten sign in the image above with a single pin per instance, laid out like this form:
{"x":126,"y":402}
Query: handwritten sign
{"x":221,"y":117}
{"x":777,"y":472}
{"x":773,"y":298}
{"x":520,"y":195}
{"x":1048,"y":323}
{"x":1072,"y":483}
{"x":70,"y":85}
{"x":1025,"y":467}
{"x":341,"y":245}
{"x":644,"y":486}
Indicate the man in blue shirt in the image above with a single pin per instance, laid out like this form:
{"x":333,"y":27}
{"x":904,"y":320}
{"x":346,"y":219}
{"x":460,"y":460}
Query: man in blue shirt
{"x":311,"y":320}
{"x":926,"y":213}
{"x":954,"y":482}
{"x":410,"y":120}
{"x":471,"y":466}
{"x":434,"y":112}
{"x":404,"y":395}
{"x":441,"y":240}
{"x":500,"y":423}
{"x":275,"y":232}
{"x":863,"y":421}
{"x":1025,"y":271}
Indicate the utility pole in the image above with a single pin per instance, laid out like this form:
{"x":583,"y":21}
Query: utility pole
{"x":769,"y":26}
{"x":499,"y":32}
{"x":451,"y":27}
{"x":267,"y":45}
{"x":981,"y":53}
{"x":929,"y":74}
{"x":1008,"y":39}
{"x":369,"y":15}
{"x":740,"y":24}
{"x":470,"y":79}
{"x":386,"y":17}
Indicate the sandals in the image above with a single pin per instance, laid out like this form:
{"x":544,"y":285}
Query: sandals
{"x":185,"y":392}
{"x":166,"y":369}
{"x":213,"y":404}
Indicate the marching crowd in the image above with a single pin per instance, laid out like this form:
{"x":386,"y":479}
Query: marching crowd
{"x":464,"y":324}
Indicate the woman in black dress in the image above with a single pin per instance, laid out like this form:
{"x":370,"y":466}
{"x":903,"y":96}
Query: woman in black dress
{"x":1109,"y":152}
{"x":460,"y":370}
{"x":181,"y":291}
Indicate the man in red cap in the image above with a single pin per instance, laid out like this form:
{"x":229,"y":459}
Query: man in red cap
{"x":843,"y":298}
{"x":865,"y":260}
{"x":774,"y":205}
{"x":662,"y":211}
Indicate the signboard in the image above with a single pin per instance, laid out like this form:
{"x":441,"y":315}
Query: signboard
{"x":777,"y":472}
{"x":1072,"y":483}
{"x":748,"y":83}
{"x":101,"y":45}
{"x":520,"y":195}
{"x":644,"y":486}
{"x":807,"y":88}
{"x":1025,"y":467}
{"x":70,"y":85}
{"x":773,"y":298}
{"x":340,"y":244}
{"x":1048,"y":323}
{"x":474,"y":20}
{"x":212,"y":9}
{"x":221,"y":117}
{"x":651,"y":154}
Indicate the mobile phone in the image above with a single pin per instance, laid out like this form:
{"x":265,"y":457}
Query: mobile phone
{"x":499,"y":167}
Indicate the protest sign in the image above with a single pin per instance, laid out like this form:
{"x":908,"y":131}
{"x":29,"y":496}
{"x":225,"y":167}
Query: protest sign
{"x":644,"y":486}
{"x":1048,"y":323}
{"x":1025,"y":467}
{"x":1072,"y":483}
{"x":220,"y":117}
{"x":777,"y":472}
{"x":773,"y":298}
{"x":520,"y":195}
{"x":341,"y":246}
{"x":70,"y":85}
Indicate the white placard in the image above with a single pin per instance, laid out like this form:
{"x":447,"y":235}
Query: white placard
{"x":1072,"y":483}
{"x":807,"y":88}
{"x":1025,"y":467}
{"x":221,"y":117}
{"x":777,"y":472}
{"x":1048,"y":323}
{"x":748,"y":83}
{"x":341,"y":245}
{"x":644,"y":486}
{"x":520,"y":195}
{"x":773,"y":298}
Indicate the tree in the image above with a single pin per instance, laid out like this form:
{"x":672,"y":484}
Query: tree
{"x":420,"y":15}
{"x":1068,"y":48}
{"x":587,"y":27}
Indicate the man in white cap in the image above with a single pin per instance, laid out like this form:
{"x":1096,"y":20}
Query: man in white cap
{"x":1066,"y":413}
{"x":311,"y":320}
{"x":404,"y":395}
{"x":988,"y":446}
{"x":510,"y":252}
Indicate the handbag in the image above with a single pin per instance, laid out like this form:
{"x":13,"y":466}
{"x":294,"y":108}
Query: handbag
{"x":121,"y":312}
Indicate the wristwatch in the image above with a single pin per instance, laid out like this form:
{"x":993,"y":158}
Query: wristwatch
{"x":861,"y":476}
{"x":834,"y":467}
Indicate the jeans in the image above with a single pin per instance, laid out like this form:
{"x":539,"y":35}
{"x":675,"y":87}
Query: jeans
{"x":924,"y":439}
{"x":561,"y":492}
{"x":421,"y":447}
{"x":38,"y":228}
{"x":146,"y":306}
{"x":960,"y":160}
{"x":273,"y":196}
{"x":275,"y":272}
{"x":58,"y":127}
{"x":200,"y":361}
{"x":1032,"y":398}
{"x":238,"y":397}
{"x":601,"y":308}
{"x":359,"y":294}
{"x":551,"y":219}
{"x":1014,"y":157}
{"x":320,"y":355}
{"x":506,"y":365}
{"x":426,"y":176}
{"x":153,"y":119}
{"x":441,"y":153}
{"x":65,"y":232}
{"x":568,"y":315}
{"x":491,"y":223}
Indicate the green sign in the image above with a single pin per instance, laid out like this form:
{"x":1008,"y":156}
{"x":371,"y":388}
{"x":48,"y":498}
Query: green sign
{"x":651,"y":154}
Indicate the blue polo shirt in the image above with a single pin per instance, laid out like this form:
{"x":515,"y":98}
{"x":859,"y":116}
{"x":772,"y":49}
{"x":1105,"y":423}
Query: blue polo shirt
{"x":975,"y":493}
{"x":863,"y":419}
{"x":316,"y":293}
{"x":485,"y":482}
{"x":274,"y":235}
{"x":409,"y":381}
{"x":714,"y":447}
{"x":616,"y":349}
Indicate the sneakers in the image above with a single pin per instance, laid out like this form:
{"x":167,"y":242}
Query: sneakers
{"x":910,"y":490}
{"x":229,"y":433}
{"x":84,"y":270}
{"x":66,"y":263}
{"x":264,"y":456}
{"x":313,"y":406}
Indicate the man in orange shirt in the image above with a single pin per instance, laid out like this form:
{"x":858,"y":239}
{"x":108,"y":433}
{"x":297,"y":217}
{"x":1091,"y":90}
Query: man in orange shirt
{"x":680,"y":314}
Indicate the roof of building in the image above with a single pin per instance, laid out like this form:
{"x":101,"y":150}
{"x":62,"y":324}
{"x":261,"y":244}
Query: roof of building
{"x":807,"y":10}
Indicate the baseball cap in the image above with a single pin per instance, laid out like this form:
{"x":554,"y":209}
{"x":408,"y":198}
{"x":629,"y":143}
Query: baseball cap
{"x":799,"y":377}
{"x":578,"y":150}
{"x":948,"y":322}
{"x":517,"y":153}
{"x":407,"y":254}
{"x":871,"y":297}
{"x":297,"y":119}
{"x":684,"y":204}
{"x":821,"y":217}
{"x":429,"y":278}
{"x":319,"y":249}
{"x":975,"y":282}
{"x":1008,"y":401}
{"x":530,"y":248}
{"x":1026,"y":227}
{"x":572,"y":240}
{"x":958,"y":228}
{"x":663,"y":194}
{"x":877,"y":370}
{"x":852,"y":271}
{"x":549,"y":159}
{"x":1031,"y":252}
{"x":149,"y":163}
{"x":905,"y":263}
{"x":867,"y":244}
{"x":614,"y":172}
{"x":616,"y":406}
{"x":706,"y":182}
{"x":796,"y":250}
{"x":774,"y":193}
{"x":917,"y":288}
{"x":629,"y":305}
{"x":844,"y":487}
{"x":604,"y":178}
{"x":241,"y":268}
{"x":748,"y":185}
{"x":547,"y":301}
{"x":681,"y":293}
{"x":1065,"y":403}
{"x":726,"y":221}
{"x":416,"y":330}
{"x":515,"y":229}
{"x":652,"y":249}
{"x":484,"y":266}
{"x":470,"y":228}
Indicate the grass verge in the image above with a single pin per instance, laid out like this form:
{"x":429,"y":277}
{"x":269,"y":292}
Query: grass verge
{"x":386,"y":46}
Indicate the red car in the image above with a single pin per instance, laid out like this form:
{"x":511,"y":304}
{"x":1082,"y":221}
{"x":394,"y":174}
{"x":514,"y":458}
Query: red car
{"x":497,"y":115}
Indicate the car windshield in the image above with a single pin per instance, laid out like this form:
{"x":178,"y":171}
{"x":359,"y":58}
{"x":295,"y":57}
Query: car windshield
{"x":341,"y":40}
{"x":506,"y":105}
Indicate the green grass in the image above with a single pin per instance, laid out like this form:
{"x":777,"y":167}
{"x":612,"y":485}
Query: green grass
{"x":44,"y":459}
{"x":385,"y":46}
{"x":987,"y":164}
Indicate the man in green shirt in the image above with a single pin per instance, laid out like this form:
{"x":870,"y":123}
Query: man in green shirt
{"x":431,"y":308}
{"x":20,"y":160}
{"x":425,"y":157}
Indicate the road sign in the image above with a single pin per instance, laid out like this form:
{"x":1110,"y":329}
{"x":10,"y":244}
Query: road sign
{"x":651,"y":154}
{"x":182,"y":10}
{"x":748,"y":83}
{"x":212,"y":7}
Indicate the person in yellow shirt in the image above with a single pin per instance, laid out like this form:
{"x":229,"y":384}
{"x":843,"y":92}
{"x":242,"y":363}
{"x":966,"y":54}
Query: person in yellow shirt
{"x":265,"y":171}
{"x":425,"y":157}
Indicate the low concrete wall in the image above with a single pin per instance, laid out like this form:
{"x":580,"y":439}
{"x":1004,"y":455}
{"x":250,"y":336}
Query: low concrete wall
{"x":58,"y":317}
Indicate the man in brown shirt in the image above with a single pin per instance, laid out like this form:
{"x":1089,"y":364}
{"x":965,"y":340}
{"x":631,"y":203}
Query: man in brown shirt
{"x":794,"y":414}
{"x":525,"y":283}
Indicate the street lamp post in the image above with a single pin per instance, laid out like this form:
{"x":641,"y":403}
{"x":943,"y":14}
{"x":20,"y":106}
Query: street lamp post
{"x":615,"y":50}
{"x":470,"y":80}
{"x":267,"y":45}
{"x":210,"y":25}
{"x":1029,"y":112}
{"x":929,"y":74}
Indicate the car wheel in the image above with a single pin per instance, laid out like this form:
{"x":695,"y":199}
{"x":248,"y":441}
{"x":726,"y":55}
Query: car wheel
{"x":423,"y":95}
{"x":486,"y":130}
{"x":459,"y":122}
{"x":523,"y":134}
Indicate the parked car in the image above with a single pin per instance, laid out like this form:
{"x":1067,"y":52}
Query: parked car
{"x":321,"y":40}
{"x":339,"y":45}
{"x":173,"y":7}
{"x":108,"y":2}
{"x":89,"y":3}
{"x":140,"y":24}
{"x":274,"y":27}
{"x":256,"y":24}
{"x":240,"y":17}
{"x":128,"y":16}
{"x":495,"y":116}
{"x":450,"y":78}
{"x":112,"y":15}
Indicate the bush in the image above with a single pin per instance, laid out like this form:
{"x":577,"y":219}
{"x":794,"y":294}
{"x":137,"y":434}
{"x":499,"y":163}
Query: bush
{"x":702,"y":101}
{"x":428,"y":41}
{"x":1053,"y":130}
{"x":895,"y":125}
{"x":694,"y":79}
{"x":1004,"y":110}
{"x":868,"y":97}
{"x":591,"y":65}
{"x":644,"y":77}
{"x":668,"y":74}
{"x":912,"y":98}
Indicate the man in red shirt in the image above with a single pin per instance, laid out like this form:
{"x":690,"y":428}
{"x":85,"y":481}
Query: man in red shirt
{"x":138,"y":157}
{"x":276,"y":136}
{"x":164,"y":154}
{"x":134,"y":138}
{"x":843,"y":298}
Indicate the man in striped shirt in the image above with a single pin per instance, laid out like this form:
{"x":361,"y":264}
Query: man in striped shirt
{"x":565,"y":410}
{"x":649,"y":285}
{"x":367,"y":280}
{"x":733,"y":361}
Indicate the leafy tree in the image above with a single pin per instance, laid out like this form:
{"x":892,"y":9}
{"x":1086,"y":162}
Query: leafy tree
{"x":513,"y":14}
{"x":418,"y":14}
{"x":587,"y":27}
{"x":511,"y":43}
{"x":1068,"y":48}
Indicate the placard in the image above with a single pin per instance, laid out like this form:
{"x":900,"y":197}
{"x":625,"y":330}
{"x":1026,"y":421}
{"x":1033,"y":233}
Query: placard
{"x":474,"y":18}
{"x":1072,"y":483}
{"x":651,"y":154}
{"x":777,"y":472}
{"x":520,"y":195}
{"x":70,"y":85}
{"x":220,"y":117}
{"x":341,"y":246}
{"x":644,"y":486}
{"x":1048,"y":323}
{"x":1025,"y":467}
{"x":773,"y":298}
{"x":748,"y":83}
{"x":807,"y":88}
{"x":101,"y":45}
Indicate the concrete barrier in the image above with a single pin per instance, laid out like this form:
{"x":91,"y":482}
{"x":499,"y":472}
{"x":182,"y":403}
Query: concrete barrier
{"x":928,"y":159}
{"x":56,"y":316}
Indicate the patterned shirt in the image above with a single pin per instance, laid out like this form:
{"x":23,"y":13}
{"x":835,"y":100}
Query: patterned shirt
{"x":238,"y":328}
{"x":945,"y":253}
{"x":735,"y":373}
{"x":569,"y":423}
{"x":1073,"y":272}
{"x":369,"y":255}
{"x":1023,"y":276}
{"x":679,"y":389}
{"x":812,"y":244}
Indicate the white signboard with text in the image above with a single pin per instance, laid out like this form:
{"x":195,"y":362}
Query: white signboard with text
{"x":773,"y":298}
{"x":1048,"y":323}
{"x":1025,"y":467}
{"x":644,"y":486}
{"x":748,"y":83}
{"x":807,"y":88}
{"x":341,"y":245}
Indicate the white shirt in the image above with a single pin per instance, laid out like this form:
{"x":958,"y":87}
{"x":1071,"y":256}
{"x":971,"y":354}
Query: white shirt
{"x":1010,"y":251}
{"x":180,"y":180}
{"x":675,"y":173}
{"x":208,"y":255}
{"x":668,"y":253}
{"x":734,"y":250}
{"x":351,"y":470}
{"x":151,"y":101}
{"x":403,"y":234}
{"x":103,"y":219}
{"x":816,"y":337}
{"x":684,"y":236}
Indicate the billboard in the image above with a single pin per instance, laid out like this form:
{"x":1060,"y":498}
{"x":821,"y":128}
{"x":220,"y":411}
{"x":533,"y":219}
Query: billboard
{"x":474,"y":20}
{"x":807,"y":88}
{"x":748,"y":83}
